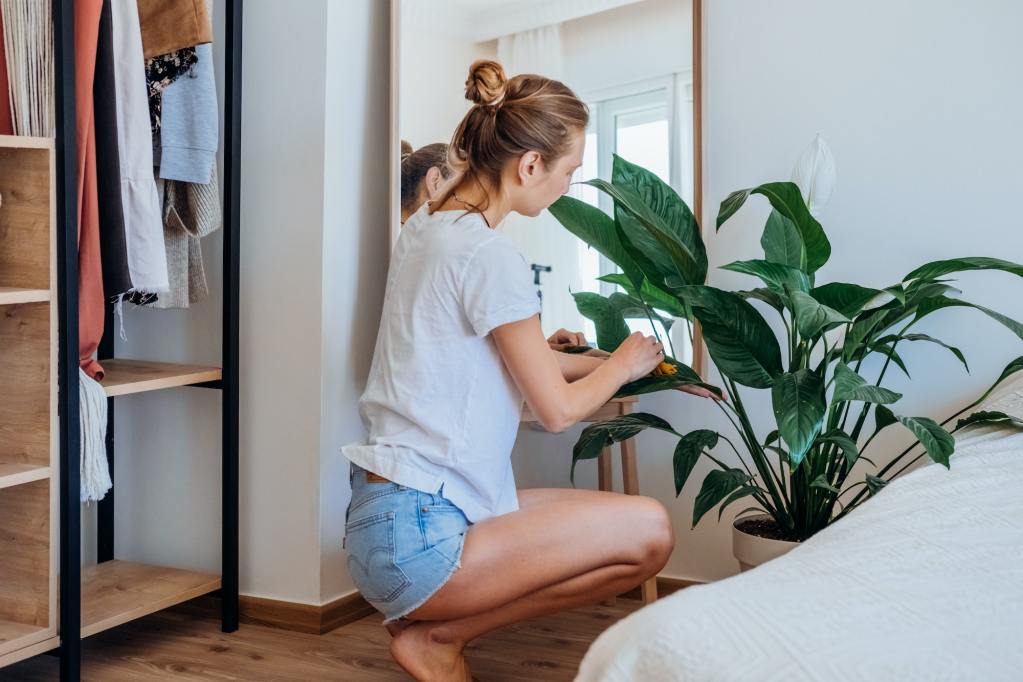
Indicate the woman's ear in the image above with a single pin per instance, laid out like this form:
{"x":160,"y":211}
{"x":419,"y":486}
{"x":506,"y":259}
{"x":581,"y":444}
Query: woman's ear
{"x":530,"y":166}
{"x":433,"y":180}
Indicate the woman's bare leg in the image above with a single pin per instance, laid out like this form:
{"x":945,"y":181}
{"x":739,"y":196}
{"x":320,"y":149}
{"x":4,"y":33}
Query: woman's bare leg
{"x":561,"y":550}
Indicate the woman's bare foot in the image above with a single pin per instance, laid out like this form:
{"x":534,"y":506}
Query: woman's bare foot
{"x":395,"y":627}
{"x":429,"y":653}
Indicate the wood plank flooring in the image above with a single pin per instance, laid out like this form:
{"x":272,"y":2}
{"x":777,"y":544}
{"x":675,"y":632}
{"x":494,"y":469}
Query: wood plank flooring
{"x":178,"y":645}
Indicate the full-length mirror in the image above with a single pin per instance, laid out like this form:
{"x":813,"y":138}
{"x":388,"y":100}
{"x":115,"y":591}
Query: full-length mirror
{"x":631,"y":61}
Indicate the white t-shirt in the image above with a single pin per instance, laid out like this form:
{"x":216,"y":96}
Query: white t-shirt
{"x":440,"y":407}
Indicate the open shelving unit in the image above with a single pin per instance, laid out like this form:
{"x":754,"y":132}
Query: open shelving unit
{"x":28,"y":415}
{"x":48,"y":600}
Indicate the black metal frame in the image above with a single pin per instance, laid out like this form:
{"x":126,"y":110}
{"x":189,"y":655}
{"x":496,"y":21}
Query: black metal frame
{"x":67,"y":301}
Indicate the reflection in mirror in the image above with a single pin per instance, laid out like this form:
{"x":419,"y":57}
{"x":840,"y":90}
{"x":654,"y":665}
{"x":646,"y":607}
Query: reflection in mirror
{"x":629,"y":60}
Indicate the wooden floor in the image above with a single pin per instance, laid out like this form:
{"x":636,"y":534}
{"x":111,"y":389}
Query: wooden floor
{"x":178,"y":645}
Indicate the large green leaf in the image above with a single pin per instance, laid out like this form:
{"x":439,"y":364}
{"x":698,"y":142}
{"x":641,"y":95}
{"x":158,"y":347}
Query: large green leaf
{"x":669,"y":206}
{"x":941,"y":268}
{"x":813,"y":317}
{"x":892,"y":338}
{"x":990,"y":418}
{"x":937,"y":441}
{"x":660,"y":253}
{"x":782,"y":242}
{"x":718,"y":484}
{"x":786,"y":199}
{"x":607,"y":318}
{"x":848,"y":299}
{"x":597,"y":229}
{"x":851,"y":386}
{"x":688,"y":451}
{"x":766,"y":295}
{"x":739,"y":340}
{"x":776,"y":276}
{"x":684,"y":376}
{"x":799,"y":407}
{"x":599,"y":435}
{"x":929,"y":305}
{"x":648,"y":293}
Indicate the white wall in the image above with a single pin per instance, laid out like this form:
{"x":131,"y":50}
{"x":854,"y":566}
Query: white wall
{"x":356,"y":248}
{"x":434,"y":66}
{"x":603,"y":50}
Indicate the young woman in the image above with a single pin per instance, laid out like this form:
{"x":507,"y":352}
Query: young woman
{"x":438,"y":537}
{"x":423,"y":171}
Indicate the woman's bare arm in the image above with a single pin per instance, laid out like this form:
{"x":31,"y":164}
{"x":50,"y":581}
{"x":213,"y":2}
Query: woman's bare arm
{"x":557,"y":402}
{"x":575,"y":366}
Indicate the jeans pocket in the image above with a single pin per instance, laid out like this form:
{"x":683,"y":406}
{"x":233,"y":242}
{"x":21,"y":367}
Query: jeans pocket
{"x":370,"y":543}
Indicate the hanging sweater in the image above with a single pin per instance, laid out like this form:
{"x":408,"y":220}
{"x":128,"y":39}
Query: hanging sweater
{"x":189,"y":123}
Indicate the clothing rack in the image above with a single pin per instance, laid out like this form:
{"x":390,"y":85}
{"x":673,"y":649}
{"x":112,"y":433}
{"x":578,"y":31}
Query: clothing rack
{"x":114,"y":592}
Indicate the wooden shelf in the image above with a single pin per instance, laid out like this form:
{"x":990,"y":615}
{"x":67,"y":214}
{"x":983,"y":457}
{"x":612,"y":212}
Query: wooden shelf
{"x":12,"y":474}
{"x":16,"y":295}
{"x":25,"y":142}
{"x":14,"y":636}
{"x":117,"y":592}
{"x":49,"y":643}
{"x":124,"y":377}
{"x":28,"y":404}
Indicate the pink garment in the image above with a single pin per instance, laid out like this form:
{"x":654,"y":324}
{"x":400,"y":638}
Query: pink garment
{"x":6,"y":121}
{"x":90,"y":267}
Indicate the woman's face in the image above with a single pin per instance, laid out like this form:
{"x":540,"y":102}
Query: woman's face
{"x":540,"y":185}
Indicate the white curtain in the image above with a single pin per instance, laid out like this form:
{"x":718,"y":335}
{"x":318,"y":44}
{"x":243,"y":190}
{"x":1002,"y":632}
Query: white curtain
{"x":536,"y":51}
{"x":543,"y":240}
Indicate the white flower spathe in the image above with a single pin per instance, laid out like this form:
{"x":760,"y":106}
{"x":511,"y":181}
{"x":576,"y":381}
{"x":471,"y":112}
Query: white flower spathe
{"x":815,"y":175}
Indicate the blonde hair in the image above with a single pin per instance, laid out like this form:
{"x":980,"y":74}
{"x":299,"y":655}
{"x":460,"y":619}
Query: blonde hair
{"x":509,"y":118}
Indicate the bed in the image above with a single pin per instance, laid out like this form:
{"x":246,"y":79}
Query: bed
{"x":924,"y":582}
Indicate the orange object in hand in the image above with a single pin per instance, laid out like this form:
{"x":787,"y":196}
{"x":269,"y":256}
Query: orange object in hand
{"x":665,"y":369}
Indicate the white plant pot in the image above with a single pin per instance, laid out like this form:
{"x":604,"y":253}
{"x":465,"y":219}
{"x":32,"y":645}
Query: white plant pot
{"x":752,"y":550}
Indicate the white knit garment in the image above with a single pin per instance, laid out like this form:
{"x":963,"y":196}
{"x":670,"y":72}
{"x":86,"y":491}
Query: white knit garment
{"x":95,"y":471}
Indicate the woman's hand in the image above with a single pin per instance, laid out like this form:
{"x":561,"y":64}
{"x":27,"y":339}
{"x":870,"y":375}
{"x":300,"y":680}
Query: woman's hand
{"x":563,"y":338}
{"x":638,"y":355}
{"x":702,"y":392}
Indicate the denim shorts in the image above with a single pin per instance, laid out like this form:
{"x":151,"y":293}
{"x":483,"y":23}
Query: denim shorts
{"x":403,"y":544}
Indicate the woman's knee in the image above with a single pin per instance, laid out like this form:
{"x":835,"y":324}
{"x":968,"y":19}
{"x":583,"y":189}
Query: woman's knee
{"x":650,"y":528}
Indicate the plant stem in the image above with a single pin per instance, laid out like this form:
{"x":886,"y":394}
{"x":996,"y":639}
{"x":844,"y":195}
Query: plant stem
{"x":737,"y":453}
{"x":758,"y":455}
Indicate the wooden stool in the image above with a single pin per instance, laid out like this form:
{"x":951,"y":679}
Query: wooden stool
{"x":605,"y":480}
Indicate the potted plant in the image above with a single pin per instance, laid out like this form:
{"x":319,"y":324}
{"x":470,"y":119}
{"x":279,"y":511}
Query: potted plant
{"x":798,"y":478}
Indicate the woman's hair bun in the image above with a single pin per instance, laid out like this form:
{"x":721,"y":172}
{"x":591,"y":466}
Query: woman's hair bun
{"x":406,"y":149}
{"x":486,"y":83}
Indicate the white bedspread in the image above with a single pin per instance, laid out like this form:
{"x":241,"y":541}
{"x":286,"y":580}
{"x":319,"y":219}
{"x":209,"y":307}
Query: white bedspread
{"x":924,"y":582}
